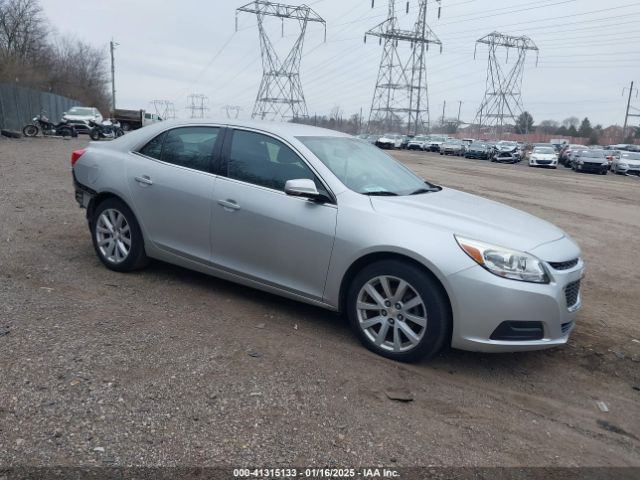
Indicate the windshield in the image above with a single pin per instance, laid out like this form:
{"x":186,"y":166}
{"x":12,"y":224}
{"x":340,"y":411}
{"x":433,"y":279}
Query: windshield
{"x":478,"y":145}
{"x":544,"y":150}
{"x":508,"y":144}
{"x":419,"y":138}
{"x":631,"y":156}
{"x":592,"y":154}
{"x":362,"y":167}
{"x":81,"y":111}
{"x":438,"y":139}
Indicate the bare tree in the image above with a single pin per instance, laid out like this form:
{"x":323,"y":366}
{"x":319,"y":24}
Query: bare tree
{"x":23,"y":28}
{"x":571,"y":122}
{"x":548,"y":126}
{"x":32,"y":55}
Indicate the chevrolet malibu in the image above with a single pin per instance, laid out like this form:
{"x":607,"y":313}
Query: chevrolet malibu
{"x":324,"y":218}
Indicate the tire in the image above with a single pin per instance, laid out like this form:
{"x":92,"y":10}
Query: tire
{"x":114,"y":259}
{"x":433,"y":309}
{"x":66,"y":132}
{"x":94,"y":134}
{"x":30,"y":131}
{"x":126,"y":127}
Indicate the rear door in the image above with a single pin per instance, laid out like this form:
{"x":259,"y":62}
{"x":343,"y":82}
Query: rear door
{"x":171,"y":185}
{"x":260,"y":232}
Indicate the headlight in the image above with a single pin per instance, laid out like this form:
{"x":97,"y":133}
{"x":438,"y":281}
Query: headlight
{"x":605,"y":163}
{"x":504,"y":262}
{"x":623,"y":165}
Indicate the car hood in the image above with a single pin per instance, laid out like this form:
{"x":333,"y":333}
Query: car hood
{"x":471,"y":216}
{"x":634,"y":163}
{"x":543,"y":156}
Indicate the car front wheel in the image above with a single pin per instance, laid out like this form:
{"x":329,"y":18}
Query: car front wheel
{"x":117,"y":238}
{"x":398,"y":310}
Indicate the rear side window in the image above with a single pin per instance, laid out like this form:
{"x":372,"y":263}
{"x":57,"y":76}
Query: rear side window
{"x":153,"y":149}
{"x":190,"y":147}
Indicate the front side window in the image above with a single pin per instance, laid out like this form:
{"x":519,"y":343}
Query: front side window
{"x":364,"y":168}
{"x":265,"y":161}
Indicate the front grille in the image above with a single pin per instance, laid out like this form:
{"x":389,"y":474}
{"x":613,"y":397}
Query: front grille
{"x":566,"y":327}
{"x":564,"y":265}
{"x":572,"y":293}
{"x":543,"y":162}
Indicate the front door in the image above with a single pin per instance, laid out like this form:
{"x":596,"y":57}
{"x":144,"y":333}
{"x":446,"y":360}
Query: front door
{"x":259,"y":231}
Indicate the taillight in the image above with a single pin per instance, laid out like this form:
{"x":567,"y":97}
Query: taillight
{"x":75,"y":156}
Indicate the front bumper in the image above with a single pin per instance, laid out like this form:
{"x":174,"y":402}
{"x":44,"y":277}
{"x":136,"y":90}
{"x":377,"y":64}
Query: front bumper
{"x":543,"y":163}
{"x":484,"y":301}
{"x":592,"y":167}
{"x":630,"y":170}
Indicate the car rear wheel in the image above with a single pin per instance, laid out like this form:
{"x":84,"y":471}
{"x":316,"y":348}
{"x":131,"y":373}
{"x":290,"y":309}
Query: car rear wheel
{"x":398,"y":310}
{"x":117,"y":237}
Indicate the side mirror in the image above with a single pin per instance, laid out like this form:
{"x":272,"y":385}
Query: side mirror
{"x":302,"y":187}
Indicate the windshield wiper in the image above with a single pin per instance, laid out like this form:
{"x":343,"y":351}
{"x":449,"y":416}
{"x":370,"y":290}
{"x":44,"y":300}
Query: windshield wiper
{"x":381,"y":193}
{"x":424,"y":190}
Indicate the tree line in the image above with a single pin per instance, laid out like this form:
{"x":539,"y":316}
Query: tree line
{"x":32,"y":55}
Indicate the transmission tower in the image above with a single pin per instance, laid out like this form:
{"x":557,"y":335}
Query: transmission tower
{"x":164,"y":109}
{"x":198,"y":105}
{"x":503,"y":95}
{"x":401,"y":97}
{"x":232,"y":111}
{"x":280,"y":95}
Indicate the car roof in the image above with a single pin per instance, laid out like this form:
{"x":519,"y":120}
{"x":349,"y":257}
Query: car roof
{"x":281,"y":129}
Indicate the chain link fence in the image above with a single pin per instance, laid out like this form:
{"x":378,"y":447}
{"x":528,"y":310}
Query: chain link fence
{"x":18,"y":105}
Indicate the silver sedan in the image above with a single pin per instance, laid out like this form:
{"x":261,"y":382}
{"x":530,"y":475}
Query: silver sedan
{"x":324,"y":218}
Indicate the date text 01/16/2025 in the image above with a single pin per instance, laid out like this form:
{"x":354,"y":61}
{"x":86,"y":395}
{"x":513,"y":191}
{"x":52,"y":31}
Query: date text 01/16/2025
{"x":315,"y":473}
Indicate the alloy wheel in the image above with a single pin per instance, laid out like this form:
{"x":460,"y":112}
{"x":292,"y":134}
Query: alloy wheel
{"x":391,"y":313}
{"x":113,"y":236}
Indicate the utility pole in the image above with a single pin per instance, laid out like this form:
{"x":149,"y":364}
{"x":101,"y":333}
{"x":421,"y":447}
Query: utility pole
{"x":113,"y":46}
{"x":459,"y":111}
{"x":627,"y":115}
{"x":444,"y":108}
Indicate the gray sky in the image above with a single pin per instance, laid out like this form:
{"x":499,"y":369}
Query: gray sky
{"x":588,"y":52}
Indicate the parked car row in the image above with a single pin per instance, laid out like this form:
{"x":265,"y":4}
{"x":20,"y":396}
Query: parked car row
{"x":622,"y":159}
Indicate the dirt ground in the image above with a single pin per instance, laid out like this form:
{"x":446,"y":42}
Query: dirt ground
{"x":170,"y":367}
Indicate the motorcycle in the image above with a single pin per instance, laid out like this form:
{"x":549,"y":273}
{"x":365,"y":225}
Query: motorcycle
{"x":105,"y":129}
{"x":42,"y":124}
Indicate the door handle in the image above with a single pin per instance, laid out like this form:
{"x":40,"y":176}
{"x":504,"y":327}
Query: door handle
{"x":144,"y":179}
{"x":229,"y":204}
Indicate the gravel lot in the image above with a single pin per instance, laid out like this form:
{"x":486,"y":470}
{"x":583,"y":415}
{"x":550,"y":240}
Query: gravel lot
{"x":170,"y":367}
